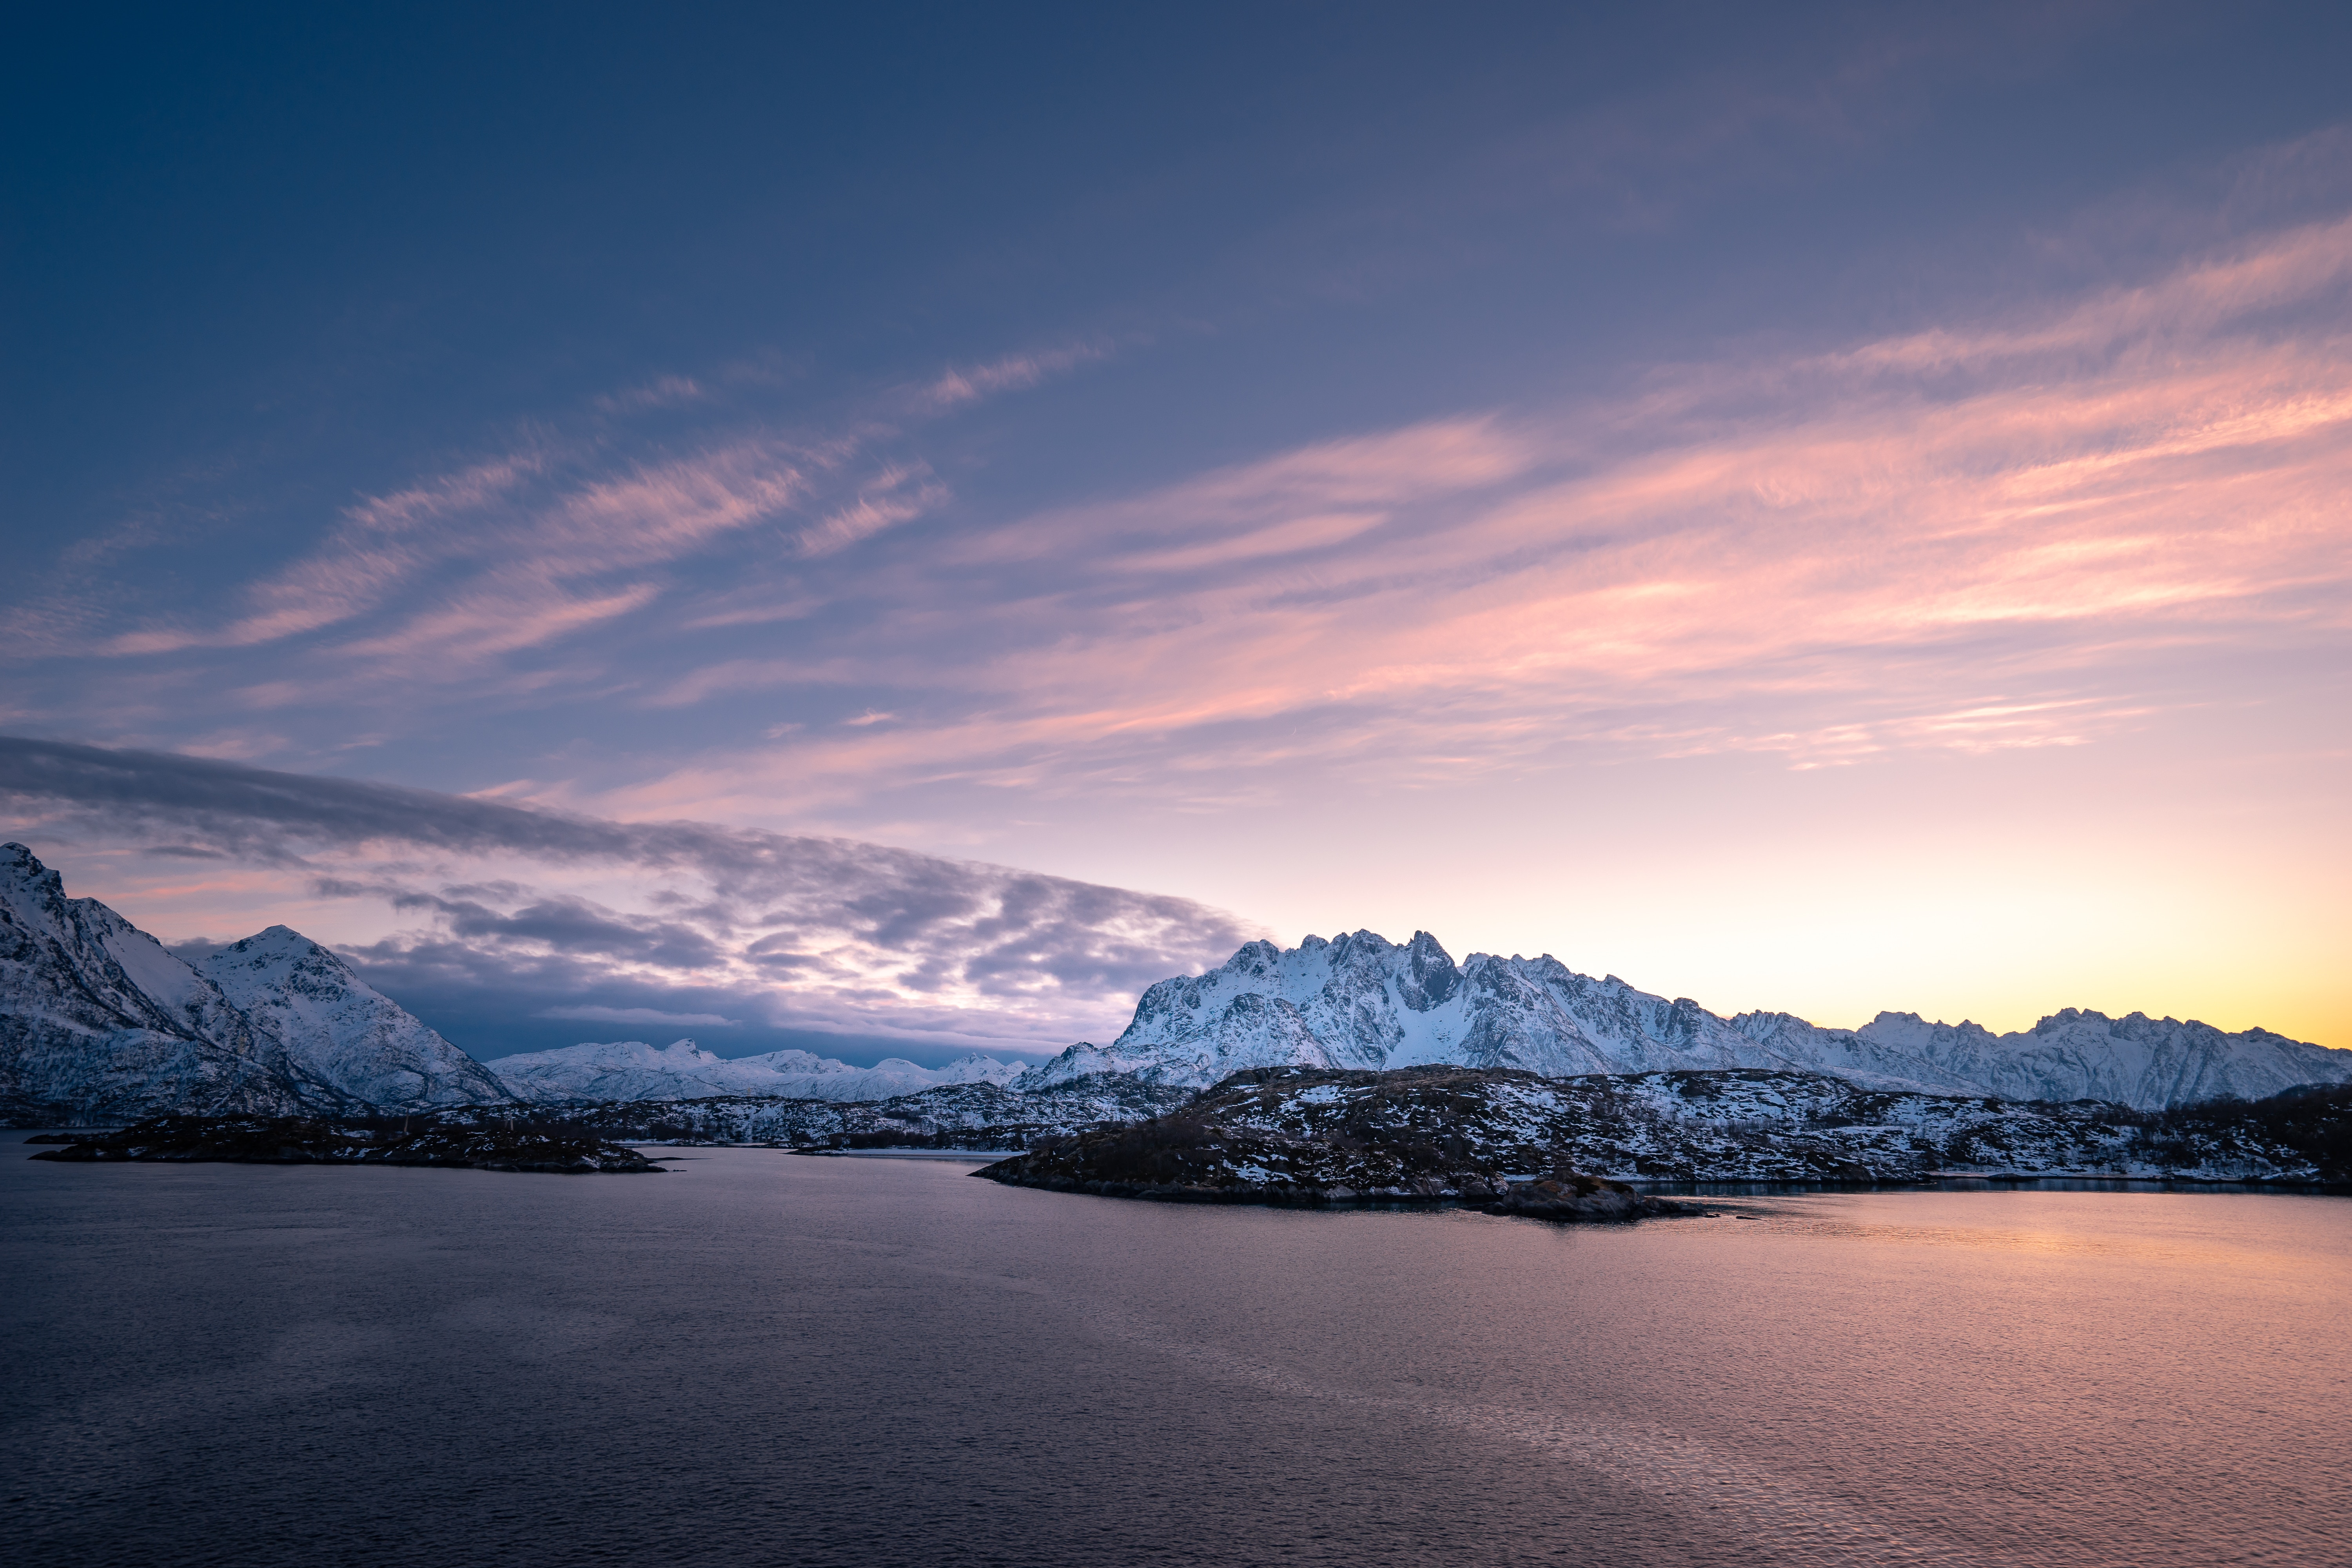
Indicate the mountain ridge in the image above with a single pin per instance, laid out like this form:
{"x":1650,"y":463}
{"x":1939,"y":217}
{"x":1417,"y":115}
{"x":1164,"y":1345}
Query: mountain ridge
{"x":622,"y":1070}
{"x":1362,"y":1002}
{"x":343,"y":1031}
{"x":99,"y":1021}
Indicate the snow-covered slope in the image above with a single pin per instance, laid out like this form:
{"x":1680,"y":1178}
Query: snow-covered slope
{"x":1360,"y":1001}
{"x":632,"y":1069}
{"x":973,"y":1115}
{"x":2136,"y":1061}
{"x":97,"y":1022}
{"x":338,"y":1028}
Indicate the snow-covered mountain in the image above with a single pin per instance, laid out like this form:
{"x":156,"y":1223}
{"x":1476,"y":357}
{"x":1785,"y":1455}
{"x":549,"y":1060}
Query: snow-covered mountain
{"x":98,"y":1023}
{"x":632,"y":1069}
{"x":339,"y":1029}
{"x":1360,"y":1001}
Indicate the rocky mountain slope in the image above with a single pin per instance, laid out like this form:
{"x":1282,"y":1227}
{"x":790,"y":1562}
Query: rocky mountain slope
{"x":1436,"y":1131}
{"x":1362,"y":1002}
{"x":339,"y":1029}
{"x":98,"y":1023}
{"x":633,"y":1071}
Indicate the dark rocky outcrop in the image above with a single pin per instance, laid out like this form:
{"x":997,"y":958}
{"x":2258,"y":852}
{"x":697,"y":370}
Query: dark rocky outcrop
{"x":464,"y":1143}
{"x":1400,"y":1142}
{"x":1495,"y":1136}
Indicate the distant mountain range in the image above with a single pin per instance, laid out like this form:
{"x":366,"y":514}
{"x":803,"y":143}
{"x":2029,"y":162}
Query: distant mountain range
{"x":98,"y":1023}
{"x":1362,"y":1002}
{"x":630,"y":1069}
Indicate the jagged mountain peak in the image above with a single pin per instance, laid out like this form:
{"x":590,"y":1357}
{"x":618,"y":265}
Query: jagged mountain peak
{"x":1430,"y":976}
{"x":278,"y":939}
{"x":1361,"y":1001}
{"x":98,"y":1021}
{"x":28,"y":885}
{"x":340,"y":1029}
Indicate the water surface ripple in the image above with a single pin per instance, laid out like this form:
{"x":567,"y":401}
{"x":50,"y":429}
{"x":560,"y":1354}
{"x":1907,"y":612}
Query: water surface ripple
{"x":764,"y":1359}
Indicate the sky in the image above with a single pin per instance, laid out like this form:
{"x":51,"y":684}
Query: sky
{"x":888,"y":532}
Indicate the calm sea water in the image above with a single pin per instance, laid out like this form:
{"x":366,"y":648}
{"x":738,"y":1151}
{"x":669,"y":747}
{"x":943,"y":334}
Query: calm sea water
{"x":765,"y":1359}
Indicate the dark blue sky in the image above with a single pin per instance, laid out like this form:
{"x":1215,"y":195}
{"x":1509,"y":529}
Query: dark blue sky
{"x":1172,"y":449}
{"x":313,"y":248}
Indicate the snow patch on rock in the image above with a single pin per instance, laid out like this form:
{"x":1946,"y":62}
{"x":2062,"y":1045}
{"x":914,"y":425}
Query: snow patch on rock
{"x":635,"y":1071}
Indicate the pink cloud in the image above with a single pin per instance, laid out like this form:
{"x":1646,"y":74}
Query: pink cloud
{"x":460,"y":572}
{"x":1830,"y":557}
{"x":897,"y":494}
{"x":504,"y":553}
{"x":1013,"y":373}
{"x":1253,"y":509}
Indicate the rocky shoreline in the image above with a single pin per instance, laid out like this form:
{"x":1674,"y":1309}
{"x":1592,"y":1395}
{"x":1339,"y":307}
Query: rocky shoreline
{"x":463,"y":1144}
{"x":1592,"y":1200}
{"x":1495,"y":1138}
{"x":1192,"y":1156}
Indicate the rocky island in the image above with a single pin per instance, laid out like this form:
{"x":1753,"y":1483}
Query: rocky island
{"x":1400,"y":1137}
{"x":1494,"y":1136}
{"x":462,"y":1143}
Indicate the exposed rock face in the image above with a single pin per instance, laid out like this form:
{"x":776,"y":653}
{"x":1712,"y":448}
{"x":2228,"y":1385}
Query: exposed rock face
{"x":98,"y":1023}
{"x":339,"y":1029}
{"x":1495,"y":1136}
{"x":1397,"y":1137}
{"x":1362,"y":1002}
{"x":633,"y":1071}
{"x":1753,"y":1124}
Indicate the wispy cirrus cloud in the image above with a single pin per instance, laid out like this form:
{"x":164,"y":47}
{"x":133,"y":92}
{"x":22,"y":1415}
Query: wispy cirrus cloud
{"x":381,"y":543}
{"x":898,"y":493}
{"x":1012,"y":373}
{"x":662,"y":392}
{"x":505,"y":555}
{"x":2021,"y":531}
{"x":445,"y":578}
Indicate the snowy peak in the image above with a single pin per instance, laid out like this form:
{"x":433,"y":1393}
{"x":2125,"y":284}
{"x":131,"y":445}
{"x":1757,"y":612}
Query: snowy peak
{"x":1430,"y":978}
{"x":98,"y":1021}
{"x":615,"y":1069}
{"x":341,"y":1030}
{"x":1360,"y":1001}
{"x":973,"y":1067}
{"x":632,"y":1069}
{"x":32,"y":894}
{"x":2080,"y":1054}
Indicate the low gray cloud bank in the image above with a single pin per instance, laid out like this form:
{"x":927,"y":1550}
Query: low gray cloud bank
{"x":797,"y":936}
